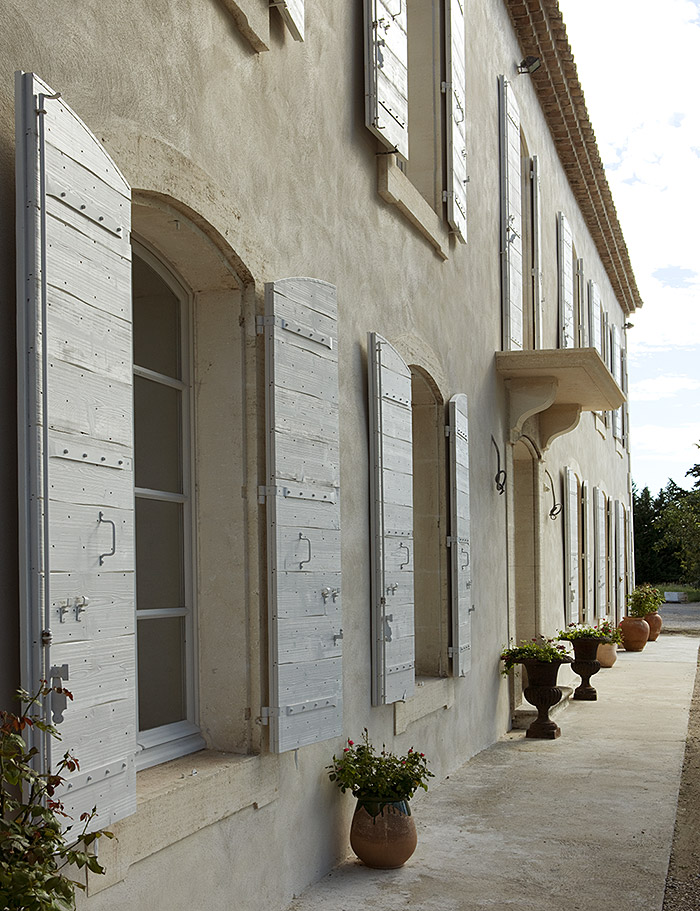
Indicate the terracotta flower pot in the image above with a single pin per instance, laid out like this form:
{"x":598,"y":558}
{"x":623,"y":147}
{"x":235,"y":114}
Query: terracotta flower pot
{"x":383,"y":834}
{"x":655,"y":623}
{"x":607,"y":654}
{"x":635,"y":633}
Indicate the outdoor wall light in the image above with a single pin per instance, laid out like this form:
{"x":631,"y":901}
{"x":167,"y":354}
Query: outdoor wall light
{"x":500,"y":478}
{"x":529,"y":65}
{"x":556,"y":507}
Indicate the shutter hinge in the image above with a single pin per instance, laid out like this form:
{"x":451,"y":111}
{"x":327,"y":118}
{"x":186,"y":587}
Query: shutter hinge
{"x":445,"y":87}
{"x":448,"y":430}
{"x":445,"y":195}
{"x":450,"y":540}
{"x":46,"y":637}
{"x":272,"y":491}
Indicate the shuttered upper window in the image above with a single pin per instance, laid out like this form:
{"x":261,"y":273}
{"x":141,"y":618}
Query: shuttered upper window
{"x":407,"y":89}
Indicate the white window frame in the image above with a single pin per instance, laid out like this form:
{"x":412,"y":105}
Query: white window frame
{"x":170,"y":741}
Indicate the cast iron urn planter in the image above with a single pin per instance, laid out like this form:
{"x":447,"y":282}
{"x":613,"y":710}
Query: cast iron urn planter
{"x":542,"y":692}
{"x":585,"y":664}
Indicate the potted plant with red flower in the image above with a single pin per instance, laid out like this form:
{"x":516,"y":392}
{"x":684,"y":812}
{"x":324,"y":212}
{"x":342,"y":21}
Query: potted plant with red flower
{"x":383,"y":834}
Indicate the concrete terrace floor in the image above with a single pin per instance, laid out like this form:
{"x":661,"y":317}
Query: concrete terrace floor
{"x":583,"y":822}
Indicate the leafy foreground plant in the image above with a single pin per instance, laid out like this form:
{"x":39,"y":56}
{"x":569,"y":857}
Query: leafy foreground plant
{"x":379,"y":777}
{"x":34,"y":851}
{"x":579,"y":631}
{"x":541,"y":649}
{"x":645,"y":599}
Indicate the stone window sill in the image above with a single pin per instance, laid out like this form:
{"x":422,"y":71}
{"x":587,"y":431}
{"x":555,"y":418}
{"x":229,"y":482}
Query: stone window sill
{"x":394,"y":187}
{"x":430,"y":695}
{"x":180,"y":797}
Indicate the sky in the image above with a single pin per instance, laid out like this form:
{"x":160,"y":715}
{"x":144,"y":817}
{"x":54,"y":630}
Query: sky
{"x":637,"y":62}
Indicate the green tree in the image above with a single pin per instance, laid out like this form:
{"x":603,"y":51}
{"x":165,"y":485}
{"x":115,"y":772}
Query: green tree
{"x":679,"y":521}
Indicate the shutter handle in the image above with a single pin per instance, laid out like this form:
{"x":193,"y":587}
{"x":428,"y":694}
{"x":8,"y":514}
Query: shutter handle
{"x":466,"y":553}
{"x":408,"y":555}
{"x":308,"y":559}
{"x":112,"y":552}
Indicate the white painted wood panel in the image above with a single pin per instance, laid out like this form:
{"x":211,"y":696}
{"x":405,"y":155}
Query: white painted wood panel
{"x":600,"y":550}
{"x":571,"y":546}
{"x":74,"y":296}
{"x":511,"y":218}
{"x":620,"y":548}
{"x":537,"y":276}
{"x":456,"y":125}
{"x":587,"y":555}
{"x":391,"y":495}
{"x":565,"y":256}
{"x":386,"y":72}
{"x":303,"y":513}
{"x":596,"y":337}
{"x":293,"y":14}
{"x":460,"y":536}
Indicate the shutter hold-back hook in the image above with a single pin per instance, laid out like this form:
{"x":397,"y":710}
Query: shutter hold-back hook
{"x":500,"y":479}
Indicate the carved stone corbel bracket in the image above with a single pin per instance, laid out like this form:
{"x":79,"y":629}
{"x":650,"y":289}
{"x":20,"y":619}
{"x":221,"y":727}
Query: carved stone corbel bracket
{"x":556,"y":421}
{"x":527,"y":398}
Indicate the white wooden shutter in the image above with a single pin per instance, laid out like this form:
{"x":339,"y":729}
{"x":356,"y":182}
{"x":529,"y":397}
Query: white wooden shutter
{"x":599,"y":530}
{"x":455,"y":93}
{"x":460,"y":537}
{"x":386,"y":72}
{"x":587,"y":552}
{"x":625,"y":408}
{"x":511,"y":219}
{"x":537,"y":277}
{"x":571,"y":546}
{"x":582,"y":305}
{"x":391,"y":492}
{"x":610,"y":569}
{"x":616,"y":359}
{"x":293,"y":14}
{"x":620,"y":560}
{"x":566,"y":283}
{"x":303,"y":512}
{"x":76,"y":446}
{"x":596,"y":334}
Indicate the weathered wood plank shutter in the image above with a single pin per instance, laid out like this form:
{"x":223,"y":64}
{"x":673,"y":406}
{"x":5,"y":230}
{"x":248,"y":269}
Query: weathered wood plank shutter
{"x":391,"y":492}
{"x":293,"y":14}
{"x":537,"y":276}
{"x":386,"y":72}
{"x":581,"y":305}
{"x":625,"y":407}
{"x":511,"y":219}
{"x":620,"y":549}
{"x":460,"y":536}
{"x":571,"y":546}
{"x":587,"y":554}
{"x":76,"y":445}
{"x":565,"y":250}
{"x":455,"y":93}
{"x":616,"y":358}
{"x":596,"y":335}
{"x":600,"y":551}
{"x":303,"y":512}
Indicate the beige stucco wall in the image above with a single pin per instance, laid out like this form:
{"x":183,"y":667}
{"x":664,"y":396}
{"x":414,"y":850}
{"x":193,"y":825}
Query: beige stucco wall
{"x":267,"y":156}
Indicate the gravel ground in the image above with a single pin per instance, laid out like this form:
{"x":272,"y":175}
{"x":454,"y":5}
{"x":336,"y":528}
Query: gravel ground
{"x":683,"y":880}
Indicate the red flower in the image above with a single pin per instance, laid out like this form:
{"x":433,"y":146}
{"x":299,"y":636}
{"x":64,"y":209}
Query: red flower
{"x":346,"y":750}
{"x":351,"y":743}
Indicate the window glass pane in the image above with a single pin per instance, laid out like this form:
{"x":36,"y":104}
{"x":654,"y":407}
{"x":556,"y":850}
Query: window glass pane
{"x":156,"y":322}
{"x":161,"y":672}
{"x":157,"y":436}
{"x":159,"y":555}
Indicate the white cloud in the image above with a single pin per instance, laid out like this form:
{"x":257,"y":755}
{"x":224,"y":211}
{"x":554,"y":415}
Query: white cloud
{"x":661,"y":387}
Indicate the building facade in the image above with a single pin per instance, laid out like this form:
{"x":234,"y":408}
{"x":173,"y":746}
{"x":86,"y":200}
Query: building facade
{"x":313,"y":334}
